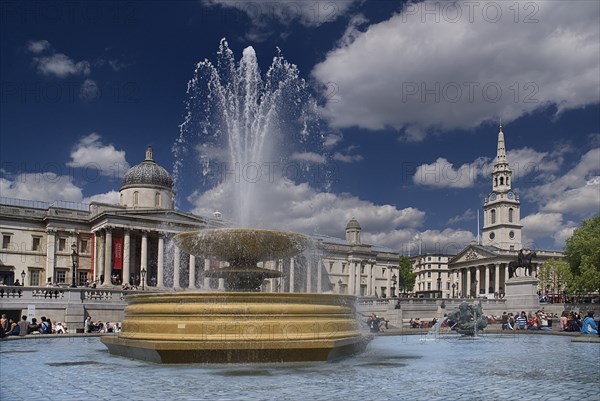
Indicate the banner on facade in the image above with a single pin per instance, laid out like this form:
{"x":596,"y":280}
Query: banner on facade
{"x":117,"y":253}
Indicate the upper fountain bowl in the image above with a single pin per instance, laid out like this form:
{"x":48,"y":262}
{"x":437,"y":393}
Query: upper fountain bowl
{"x":242,"y":246}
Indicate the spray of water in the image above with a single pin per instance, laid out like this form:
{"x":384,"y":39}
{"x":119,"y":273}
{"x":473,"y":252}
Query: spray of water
{"x":241,"y":128}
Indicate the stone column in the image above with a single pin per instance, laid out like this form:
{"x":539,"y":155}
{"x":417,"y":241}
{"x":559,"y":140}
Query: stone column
{"x":497,"y":278}
{"x":50,"y":256}
{"x":96,"y":255}
{"x":206,"y":279}
{"x":160,"y":263}
{"x":126,"y":257}
{"x":358,"y":269}
{"x":488,"y":273}
{"x":192,"y":277}
{"x":107,"y":257}
{"x":468,"y":284}
{"x":388,"y":282}
{"x":370,"y":280}
{"x":176,"y":266}
{"x":100,"y":266}
{"x":477,"y":280}
{"x":144,"y":259}
{"x":292,"y":273}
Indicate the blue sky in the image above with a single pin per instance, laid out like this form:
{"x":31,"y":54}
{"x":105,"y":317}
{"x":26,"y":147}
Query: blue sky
{"x":409,"y":94}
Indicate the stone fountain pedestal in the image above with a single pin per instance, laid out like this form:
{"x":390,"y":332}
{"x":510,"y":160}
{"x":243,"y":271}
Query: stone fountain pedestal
{"x":238,"y":328}
{"x":521,"y":293}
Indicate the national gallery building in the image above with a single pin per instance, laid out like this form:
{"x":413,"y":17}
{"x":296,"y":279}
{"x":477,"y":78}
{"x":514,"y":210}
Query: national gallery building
{"x":131,"y":244}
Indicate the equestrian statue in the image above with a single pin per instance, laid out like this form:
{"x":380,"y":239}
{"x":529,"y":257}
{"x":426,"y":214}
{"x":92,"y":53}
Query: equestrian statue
{"x":522,"y":261}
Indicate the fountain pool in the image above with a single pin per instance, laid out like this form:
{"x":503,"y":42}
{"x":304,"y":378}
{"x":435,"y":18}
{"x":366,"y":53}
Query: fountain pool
{"x":392,"y":368}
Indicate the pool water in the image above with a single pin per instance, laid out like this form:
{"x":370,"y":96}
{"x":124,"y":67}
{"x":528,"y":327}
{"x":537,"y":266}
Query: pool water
{"x":524,"y":367}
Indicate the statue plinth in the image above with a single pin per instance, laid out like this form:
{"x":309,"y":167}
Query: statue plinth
{"x":521,"y":293}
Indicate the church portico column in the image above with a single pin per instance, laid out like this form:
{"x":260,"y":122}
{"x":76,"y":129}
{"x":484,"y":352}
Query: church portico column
{"x":350,"y":278}
{"x":497,"y":278}
{"x":176,"y":266}
{"x":126,"y":256}
{"x":477,"y":280}
{"x":488,"y":273}
{"x":160,"y":262}
{"x":319,"y":275}
{"x":107,"y":257}
{"x":100,"y":237}
{"x":467,"y":291}
{"x":144,"y":258}
{"x":192,"y":276}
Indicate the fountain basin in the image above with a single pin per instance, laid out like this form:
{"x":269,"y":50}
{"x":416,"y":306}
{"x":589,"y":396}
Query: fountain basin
{"x":234,"y":327}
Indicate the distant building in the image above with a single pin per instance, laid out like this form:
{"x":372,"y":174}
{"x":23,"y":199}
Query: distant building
{"x":434,"y":279}
{"x":131,"y":242}
{"x":481,"y":269}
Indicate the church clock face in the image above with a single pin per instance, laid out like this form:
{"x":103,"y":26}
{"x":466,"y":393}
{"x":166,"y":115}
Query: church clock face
{"x":510,"y":195}
{"x":492,"y":235}
{"x":493,"y":196}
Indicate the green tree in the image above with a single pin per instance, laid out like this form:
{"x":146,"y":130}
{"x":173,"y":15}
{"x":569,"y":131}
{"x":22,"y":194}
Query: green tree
{"x":406,"y":276}
{"x":582,"y":251}
{"x":555,"y":274}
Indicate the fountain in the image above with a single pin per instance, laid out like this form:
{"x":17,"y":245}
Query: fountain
{"x":241,"y":324}
{"x":468,"y":319}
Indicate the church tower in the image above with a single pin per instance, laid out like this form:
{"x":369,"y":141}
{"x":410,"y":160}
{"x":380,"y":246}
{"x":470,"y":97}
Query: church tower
{"x":502,"y":208}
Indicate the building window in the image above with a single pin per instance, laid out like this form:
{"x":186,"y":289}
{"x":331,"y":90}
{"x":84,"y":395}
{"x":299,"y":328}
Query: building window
{"x":82,"y":278}
{"x":34,"y":277}
{"x":157,"y":199}
{"x":428,"y":286}
{"x":5,"y":241}
{"x":62,"y":244}
{"x":428,"y":258}
{"x":61,"y":276}
{"x":510,"y":215}
{"x":383,"y":271}
{"x":493,"y":216}
{"x":448,"y":285}
{"x":136,"y":198}
{"x":35,"y":246}
{"x":429,"y":265}
{"x":343,"y":268}
{"x":362,"y":269}
{"x":428,"y":274}
{"x":512,"y":247}
{"x":84,"y":246}
{"x":501,"y":180}
{"x":330,"y":267}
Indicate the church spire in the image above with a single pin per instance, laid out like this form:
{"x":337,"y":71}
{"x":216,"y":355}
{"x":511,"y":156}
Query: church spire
{"x":501,"y":154}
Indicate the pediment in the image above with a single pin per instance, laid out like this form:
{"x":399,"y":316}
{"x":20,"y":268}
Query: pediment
{"x":471,"y":253}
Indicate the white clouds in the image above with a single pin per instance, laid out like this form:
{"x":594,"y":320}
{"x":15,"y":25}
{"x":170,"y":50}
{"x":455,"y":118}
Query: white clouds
{"x":468,"y":215}
{"x":38,"y":46}
{"x":111,"y":197}
{"x":46,"y":187}
{"x":310,"y":157}
{"x":443,"y":174}
{"x":331,"y":140}
{"x":61,"y":66}
{"x":90,"y":152}
{"x":539,"y":225}
{"x":306,"y":13}
{"x":415,"y":74}
{"x":577,"y":191}
{"x":346,"y":158}
{"x":89,"y":90}
{"x":298,"y":207}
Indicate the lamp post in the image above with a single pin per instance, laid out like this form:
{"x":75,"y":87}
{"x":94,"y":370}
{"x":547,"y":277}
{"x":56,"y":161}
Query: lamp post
{"x":453,"y":287}
{"x":394,"y":285}
{"x":23,"y":278}
{"x":143,"y":278}
{"x":74,"y":259}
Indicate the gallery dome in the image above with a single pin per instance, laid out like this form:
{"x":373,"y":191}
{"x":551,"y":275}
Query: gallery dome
{"x":147,"y":174}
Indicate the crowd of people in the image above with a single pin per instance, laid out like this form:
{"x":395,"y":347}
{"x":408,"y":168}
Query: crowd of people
{"x":8,"y":327}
